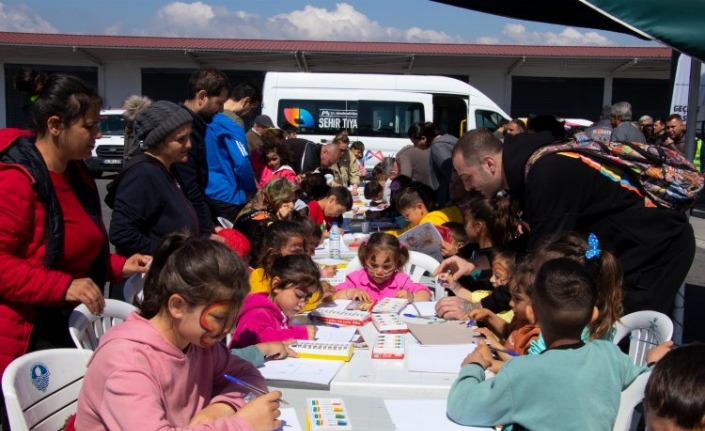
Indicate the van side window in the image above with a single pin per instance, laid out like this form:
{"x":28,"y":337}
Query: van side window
{"x":361,"y":118}
{"x":487,"y":120}
{"x":387,"y":119}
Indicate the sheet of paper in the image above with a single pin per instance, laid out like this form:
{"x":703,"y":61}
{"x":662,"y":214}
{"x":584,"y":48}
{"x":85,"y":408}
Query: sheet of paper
{"x":441,"y":333}
{"x":290,"y":422}
{"x":315,"y":371}
{"x":335,"y":335}
{"x":436,"y":359}
{"x":329,"y":261}
{"x":427,"y":309}
{"x":413,"y":415}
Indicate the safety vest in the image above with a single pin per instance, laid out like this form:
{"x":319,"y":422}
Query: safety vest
{"x":698,"y":147}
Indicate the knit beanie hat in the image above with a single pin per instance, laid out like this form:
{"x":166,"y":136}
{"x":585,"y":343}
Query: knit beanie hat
{"x":155,"y":122}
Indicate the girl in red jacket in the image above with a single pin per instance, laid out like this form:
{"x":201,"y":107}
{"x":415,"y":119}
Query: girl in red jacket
{"x":53,"y":246}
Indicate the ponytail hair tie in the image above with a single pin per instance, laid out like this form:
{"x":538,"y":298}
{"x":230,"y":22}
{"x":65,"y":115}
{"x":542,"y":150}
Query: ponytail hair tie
{"x":593,"y":251}
{"x":34,"y":98}
{"x":401,"y":246}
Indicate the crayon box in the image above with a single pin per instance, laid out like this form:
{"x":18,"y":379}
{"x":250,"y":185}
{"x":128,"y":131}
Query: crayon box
{"x":326,"y":414}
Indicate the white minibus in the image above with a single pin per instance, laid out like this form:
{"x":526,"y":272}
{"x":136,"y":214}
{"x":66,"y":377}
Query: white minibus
{"x":375,"y":109}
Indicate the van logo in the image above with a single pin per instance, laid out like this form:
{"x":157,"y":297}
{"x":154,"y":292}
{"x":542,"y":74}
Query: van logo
{"x":298,"y":117}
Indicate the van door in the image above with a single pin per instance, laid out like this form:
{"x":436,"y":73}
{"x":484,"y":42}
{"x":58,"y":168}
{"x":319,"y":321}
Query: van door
{"x":450,"y":114}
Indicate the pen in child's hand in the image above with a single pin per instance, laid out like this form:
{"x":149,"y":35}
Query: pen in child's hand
{"x":249,"y":386}
{"x":495,"y":349}
{"x":470,"y":323}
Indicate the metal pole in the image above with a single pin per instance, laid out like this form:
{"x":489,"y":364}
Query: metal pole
{"x":693,"y":95}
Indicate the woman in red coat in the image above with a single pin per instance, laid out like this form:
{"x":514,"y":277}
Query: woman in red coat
{"x":53,"y":244}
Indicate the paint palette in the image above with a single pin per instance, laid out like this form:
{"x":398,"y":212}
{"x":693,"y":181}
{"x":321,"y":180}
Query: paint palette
{"x":323,"y":350}
{"x":389,"y":324}
{"x":326,"y":414}
{"x":390,"y":305}
{"x":389,"y":346}
{"x":344,"y":317}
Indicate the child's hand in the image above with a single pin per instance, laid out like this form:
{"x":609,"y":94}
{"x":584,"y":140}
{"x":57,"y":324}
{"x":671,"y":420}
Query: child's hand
{"x":477,"y":357}
{"x":480,"y":314}
{"x":355,"y":294}
{"x":212,"y":412}
{"x":277,"y":349}
{"x":311,"y":331}
{"x":445,"y":280}
{"x":490,"y":336}
{"x":405,"y":294}
{"x":483,"y":350}
{"x":456,"y":265}
{"x":328,"y":271}
{"x":658,"y":352}
{"x":262,"y":412}
{"x":448,"y":249}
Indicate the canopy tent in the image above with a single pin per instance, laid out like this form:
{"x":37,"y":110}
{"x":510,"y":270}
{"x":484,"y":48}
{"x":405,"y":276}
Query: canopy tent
{"x":677,"y":23}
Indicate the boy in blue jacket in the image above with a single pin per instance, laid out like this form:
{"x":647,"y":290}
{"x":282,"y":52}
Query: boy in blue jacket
{"x":570,"y":386}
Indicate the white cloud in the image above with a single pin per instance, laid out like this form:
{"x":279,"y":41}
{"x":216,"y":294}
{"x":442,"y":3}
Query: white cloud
{"x":516,"y":34}
{"x":20,"y":18}
{"x":342,"y":23}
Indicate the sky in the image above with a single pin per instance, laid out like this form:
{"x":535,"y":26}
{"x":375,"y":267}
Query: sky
{"x":420,"y":21}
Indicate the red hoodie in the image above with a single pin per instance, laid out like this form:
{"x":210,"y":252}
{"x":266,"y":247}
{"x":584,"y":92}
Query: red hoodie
{"x":138,"y":380}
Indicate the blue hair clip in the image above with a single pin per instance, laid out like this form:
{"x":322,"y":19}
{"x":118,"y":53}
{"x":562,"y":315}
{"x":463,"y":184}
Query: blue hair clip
{"x":593,"y":251}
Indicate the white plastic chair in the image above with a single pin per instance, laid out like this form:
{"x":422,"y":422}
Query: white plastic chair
{"x":630,"y":398}
{"x":86,"y":328}
{"x":41,"y":388}
{"x":647,"y":329}
{"x":417,"y":266}
{"x":133,"y":288}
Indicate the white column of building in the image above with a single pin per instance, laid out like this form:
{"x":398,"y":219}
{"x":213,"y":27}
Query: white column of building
{"x":607,"y":92}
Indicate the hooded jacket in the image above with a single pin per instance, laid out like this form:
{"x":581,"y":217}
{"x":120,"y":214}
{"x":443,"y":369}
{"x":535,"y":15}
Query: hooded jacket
{"x":442,"y":166}
{"x":563,"y":193}
{"x":260,"y":321}
{"x":230,"y":175}
{"x":138,"y":380}
{"x":32,"y":242}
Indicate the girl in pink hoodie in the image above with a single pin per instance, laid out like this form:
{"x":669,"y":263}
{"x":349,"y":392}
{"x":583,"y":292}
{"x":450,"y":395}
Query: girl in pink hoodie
{"x":265,"y":316}
{"x":163,"y":368}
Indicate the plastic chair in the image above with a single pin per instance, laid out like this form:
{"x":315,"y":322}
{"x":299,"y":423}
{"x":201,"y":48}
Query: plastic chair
{"x":647,"y":329}
{"x":41,"y":388}
{"x":133,"y":288}
{"x":86,"y":328}
{"x":417,"y":266}
{"x":630,"y":398}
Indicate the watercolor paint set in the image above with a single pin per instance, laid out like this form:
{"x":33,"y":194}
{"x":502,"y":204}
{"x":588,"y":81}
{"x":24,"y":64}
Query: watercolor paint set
{"x":323,"y":350}
{"x":389,"y":346}
{"x":343,"y":317}
{"x":327,"y":414}
{"x":389,"y":324}
{"x":390,"y":305}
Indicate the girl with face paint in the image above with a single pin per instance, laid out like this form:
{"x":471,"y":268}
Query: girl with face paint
{"x":383,"y":258}
{"x":165,"y":364}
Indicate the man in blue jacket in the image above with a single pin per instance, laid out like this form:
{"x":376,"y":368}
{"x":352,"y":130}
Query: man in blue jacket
{"x":231,"y":181}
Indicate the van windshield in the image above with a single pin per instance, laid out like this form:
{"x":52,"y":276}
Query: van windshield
{"x":112,"y":125}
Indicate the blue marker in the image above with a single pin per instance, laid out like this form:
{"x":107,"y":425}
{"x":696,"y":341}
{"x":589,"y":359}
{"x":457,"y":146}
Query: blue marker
{"x":470,"y":323}
{"x":333,"y":325}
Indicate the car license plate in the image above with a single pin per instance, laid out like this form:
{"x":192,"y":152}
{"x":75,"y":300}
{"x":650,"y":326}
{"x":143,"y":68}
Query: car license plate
{"x":112,"y":161}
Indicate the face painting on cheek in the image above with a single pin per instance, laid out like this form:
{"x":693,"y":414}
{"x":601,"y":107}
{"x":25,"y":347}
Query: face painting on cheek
{"x":500,"y":273}
{"x":212,"y":321}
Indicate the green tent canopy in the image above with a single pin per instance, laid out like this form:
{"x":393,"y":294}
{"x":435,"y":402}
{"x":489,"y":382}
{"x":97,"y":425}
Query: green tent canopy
{"x":677,"y":23}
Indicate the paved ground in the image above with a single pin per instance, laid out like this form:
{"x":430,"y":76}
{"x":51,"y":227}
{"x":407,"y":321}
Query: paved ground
{"x":694,"y":324}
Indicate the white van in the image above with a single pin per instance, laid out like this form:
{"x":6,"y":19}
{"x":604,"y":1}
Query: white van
{"x":375,"y":109}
